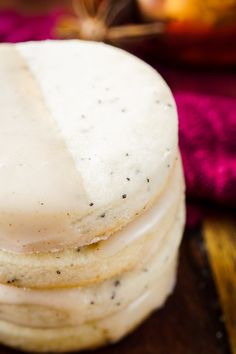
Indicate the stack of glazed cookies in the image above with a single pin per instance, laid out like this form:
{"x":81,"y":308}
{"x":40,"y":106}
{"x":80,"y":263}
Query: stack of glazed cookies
{"x":91,"y":194}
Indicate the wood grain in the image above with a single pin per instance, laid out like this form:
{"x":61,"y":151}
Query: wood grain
{"x":220,"y":238}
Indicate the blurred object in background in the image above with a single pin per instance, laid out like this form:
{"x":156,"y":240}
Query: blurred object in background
{"x":207,"y":11}
{"x":31,"y":7}
{"x":198,"y":31}
{"x":193,"y":32}
{"x":189,"y":32}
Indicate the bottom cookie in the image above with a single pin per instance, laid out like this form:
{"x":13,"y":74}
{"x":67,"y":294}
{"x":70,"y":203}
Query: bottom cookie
{"x":93,"y":334}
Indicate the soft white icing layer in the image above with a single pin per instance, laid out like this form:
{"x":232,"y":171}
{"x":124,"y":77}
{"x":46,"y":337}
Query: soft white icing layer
{"x":119,"y":118}
{"x":163,"y":208}
{"x":80,"y":150}
{"x":33,"y":161}
{"x":89,"y":335}
{"x":128,"y":318}
{"x":100,"y":261}
{"x":90,"y":303}
{"x":155,"y":218}
{"x":69,"y":301}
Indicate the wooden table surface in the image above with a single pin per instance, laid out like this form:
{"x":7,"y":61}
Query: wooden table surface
{"x":199,"y":318}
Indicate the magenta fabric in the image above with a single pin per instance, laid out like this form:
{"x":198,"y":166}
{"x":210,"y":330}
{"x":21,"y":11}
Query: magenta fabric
{"x":206,"y":104}
{"x":207,"y":117}
{"x":208,"y":145}
{"x":19,"y":28}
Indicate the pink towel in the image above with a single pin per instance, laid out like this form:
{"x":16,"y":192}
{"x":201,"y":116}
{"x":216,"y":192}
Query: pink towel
{"x":19,"y":28}
{"x":207,"y":118}
{"x":206,"y":104}
{"x":208,"y":145}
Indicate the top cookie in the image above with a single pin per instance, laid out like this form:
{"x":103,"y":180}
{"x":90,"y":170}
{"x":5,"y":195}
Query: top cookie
{"x":88,"y":136}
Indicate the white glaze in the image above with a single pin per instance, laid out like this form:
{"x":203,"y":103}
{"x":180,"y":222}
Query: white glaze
{"x":91,"y":334}
{"x":158,"y":217}
{"x":125,"y":320}
{"x":54,"y":162}
{"x":77,"y":301}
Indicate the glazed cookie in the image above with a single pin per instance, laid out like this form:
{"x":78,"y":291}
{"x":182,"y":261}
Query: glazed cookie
{"x":92,"y":334}
{"x":76,"y":306}
{"x":92,"y":205}
{"x":102,"y":260}
{"x":82,"y":152}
